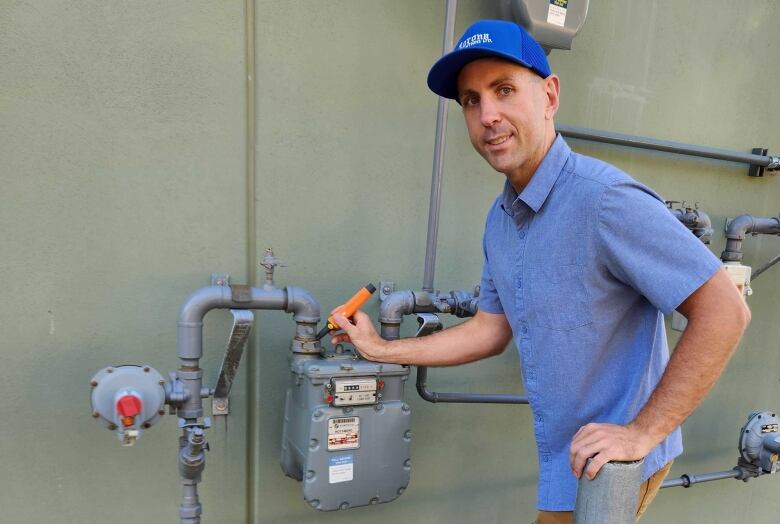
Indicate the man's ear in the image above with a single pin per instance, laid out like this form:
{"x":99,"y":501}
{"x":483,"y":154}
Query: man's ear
{"x":552,"y":88}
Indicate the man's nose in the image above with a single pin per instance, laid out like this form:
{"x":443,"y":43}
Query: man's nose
{"x":489,"y":113}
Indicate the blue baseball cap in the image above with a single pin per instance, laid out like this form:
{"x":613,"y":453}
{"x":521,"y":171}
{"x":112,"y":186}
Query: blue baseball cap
{"x":487,"y":39}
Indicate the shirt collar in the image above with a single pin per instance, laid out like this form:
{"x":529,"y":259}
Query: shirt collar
{"x":541,"y":183}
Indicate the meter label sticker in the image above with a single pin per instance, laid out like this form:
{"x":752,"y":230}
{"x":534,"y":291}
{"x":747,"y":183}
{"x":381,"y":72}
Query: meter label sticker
{"x":343,"y":433}
{"x":340,"y":469}
{"x":556,"y":14}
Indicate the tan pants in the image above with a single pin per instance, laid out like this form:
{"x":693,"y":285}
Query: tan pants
{"x":647,"y":492}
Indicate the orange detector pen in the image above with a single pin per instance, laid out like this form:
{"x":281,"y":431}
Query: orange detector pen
{"x":349,"y":308}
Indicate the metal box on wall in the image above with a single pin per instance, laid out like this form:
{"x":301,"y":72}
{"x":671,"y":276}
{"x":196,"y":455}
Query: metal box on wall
{"x":347,"y":430}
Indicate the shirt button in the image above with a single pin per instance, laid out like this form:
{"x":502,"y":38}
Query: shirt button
{"x":522,"y":234}
{"x":519,"y":282}
{"x":524,"y":330}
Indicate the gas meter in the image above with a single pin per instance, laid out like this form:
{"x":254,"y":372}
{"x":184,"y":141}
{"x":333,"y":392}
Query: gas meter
{"x":347,"y":430}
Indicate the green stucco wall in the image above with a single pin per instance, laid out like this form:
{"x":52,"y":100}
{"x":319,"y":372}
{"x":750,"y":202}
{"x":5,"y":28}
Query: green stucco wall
{"x":123,"y":175}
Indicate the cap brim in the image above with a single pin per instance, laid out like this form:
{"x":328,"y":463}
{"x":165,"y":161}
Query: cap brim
{"x":443,"y":76}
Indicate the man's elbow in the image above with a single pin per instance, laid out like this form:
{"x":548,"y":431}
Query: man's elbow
{"x":738,"y":314}
{"x":497,"y":350}
{"x":744,"y":315}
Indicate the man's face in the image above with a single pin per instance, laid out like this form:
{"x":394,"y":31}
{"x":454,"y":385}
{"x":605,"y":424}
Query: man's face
{"x":508,"y":111}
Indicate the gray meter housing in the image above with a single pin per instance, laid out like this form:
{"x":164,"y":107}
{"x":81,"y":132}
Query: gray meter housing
{"x":347,"y":430}
{"x":553,"y":23}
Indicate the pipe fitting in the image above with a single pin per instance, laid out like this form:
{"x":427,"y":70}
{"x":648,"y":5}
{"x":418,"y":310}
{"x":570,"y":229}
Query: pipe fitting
{"x":395,"y":306}
{"x":738,"y":228}
{"x":463,"y":303}
{"x":390,"y":331}
{"x":200,"y":302}
{"x":192,"y":457}
{"x":302,"y":305}
{"x":697,"y":221}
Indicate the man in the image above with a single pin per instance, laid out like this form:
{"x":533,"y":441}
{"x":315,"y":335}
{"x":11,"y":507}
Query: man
{"x":581,"y":263}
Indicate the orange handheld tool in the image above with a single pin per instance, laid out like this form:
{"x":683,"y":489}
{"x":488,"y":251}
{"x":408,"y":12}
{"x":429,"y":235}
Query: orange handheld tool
{"x":349,"y":308}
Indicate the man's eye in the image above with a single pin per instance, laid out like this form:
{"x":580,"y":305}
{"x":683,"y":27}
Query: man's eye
{"x":470,"y":101}
{"x":505,"y":90}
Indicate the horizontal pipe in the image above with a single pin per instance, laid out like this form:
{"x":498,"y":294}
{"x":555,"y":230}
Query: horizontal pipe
{"x":190,"y":325}
{"x":770,"y":162}
{"x":689,"y":480}
{"x":463,"y":398}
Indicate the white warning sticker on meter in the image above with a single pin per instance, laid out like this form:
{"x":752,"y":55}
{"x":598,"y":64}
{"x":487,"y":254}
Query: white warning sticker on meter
{"x":343,"y":433}
{"x":340,"y":469}
{"x":556,"y":14}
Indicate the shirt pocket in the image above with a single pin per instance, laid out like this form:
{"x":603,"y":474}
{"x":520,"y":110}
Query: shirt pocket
{"x":558,"y":297}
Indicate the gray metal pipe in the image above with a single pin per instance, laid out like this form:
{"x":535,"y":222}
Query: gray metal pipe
{"x":460,"y":303}
{"x":738,"y":228}
{"x":306,"y":313}
{"x":190,"y":328}
{"x":611,"y":497}
{"x":294,"y":300}
{"x":689,"y":480}
{"x":395,"y":306}
{"x":438,"y":160}
{"x":769,"y":162}
{"x":774,"y":260}
{"x":463,"y":398}
{"x":390,"y":331}
{"x":190,"y":507}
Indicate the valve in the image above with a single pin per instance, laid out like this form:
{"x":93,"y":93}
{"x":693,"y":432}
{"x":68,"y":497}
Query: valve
{"x":128,"y":400}
{"x":759,"y":441}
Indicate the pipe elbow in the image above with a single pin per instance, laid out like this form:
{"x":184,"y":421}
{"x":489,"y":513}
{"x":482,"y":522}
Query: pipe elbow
{"x":302,"y":305}
{"x":395,"y":306}
{"x":201,"y":302}
{"x":739,"y":227}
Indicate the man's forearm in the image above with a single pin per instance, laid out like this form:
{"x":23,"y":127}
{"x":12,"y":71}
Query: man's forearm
{"x":688,"y":378}
{"x":484,"y":335}
{"x":698,"y":360}
{"x":453,"y":346}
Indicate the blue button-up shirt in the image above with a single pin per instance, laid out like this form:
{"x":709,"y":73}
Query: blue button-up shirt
{"x":584,"y":263}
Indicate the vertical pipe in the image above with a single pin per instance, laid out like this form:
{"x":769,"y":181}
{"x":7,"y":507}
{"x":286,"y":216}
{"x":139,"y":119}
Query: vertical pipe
{"x":438,"y":161}
{"x":252,"y":421}
{"x":190,"y":508}
{"x":612,"y":497}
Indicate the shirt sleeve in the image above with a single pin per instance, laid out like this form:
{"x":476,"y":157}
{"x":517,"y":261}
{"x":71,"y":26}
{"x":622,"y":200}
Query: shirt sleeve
{"x":646,"y":247}
{"x":488,"y":296}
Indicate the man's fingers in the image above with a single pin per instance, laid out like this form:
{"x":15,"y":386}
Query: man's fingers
{"x":340,"y":338}
{"x":595,"y":465}
{"x":581,"y":456}
{"x":342,"y":321}
{"x":359,"y":317}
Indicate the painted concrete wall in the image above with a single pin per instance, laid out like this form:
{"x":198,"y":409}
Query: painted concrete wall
{"x":122,"y":132}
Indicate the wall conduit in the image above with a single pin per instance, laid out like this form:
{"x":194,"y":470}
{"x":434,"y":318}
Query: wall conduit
{"x":771,"y":163}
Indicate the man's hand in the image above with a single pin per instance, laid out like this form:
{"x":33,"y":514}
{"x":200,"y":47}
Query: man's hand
{"x":361,"y":334}
{"x":606,"y":442}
